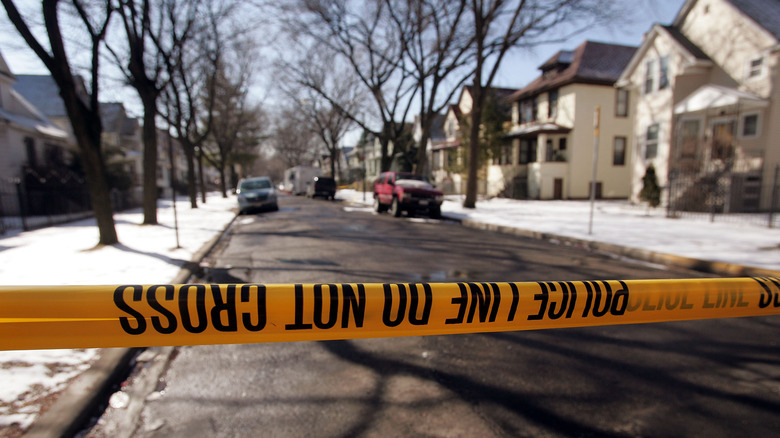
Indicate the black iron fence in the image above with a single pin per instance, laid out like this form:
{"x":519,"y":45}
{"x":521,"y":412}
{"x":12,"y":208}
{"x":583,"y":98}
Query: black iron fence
{"x":725,"y":195}
{"x":41,"y":198}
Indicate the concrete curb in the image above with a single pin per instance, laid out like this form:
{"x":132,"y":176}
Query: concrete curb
{"x":708,"y":266}
{"x":85,"y":393}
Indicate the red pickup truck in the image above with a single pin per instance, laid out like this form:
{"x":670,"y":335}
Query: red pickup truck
{"x":401,"y":191}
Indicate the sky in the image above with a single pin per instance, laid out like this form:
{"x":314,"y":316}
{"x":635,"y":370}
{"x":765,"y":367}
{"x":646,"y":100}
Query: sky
{"x":517,"y":70}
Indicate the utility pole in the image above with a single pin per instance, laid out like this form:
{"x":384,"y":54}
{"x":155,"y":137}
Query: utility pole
{"x":596,"y":123}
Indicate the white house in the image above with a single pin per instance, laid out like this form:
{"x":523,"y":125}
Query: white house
{"x":707,"y":115}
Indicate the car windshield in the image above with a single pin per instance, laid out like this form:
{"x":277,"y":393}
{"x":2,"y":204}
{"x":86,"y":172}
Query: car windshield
{"x":255,"y":184}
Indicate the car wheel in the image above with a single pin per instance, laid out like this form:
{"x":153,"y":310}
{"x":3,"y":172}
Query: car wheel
{"x":435,"y":213}
{"x":275,"y":207}
{"x":395,"y":208}
{"x":378,"y":205}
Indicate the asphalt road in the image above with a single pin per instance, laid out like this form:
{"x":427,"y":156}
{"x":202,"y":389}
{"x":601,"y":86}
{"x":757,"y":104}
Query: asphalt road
{"x":701,"y":378}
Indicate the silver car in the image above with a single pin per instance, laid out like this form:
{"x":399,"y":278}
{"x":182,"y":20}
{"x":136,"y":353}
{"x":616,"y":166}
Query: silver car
{"x":256,"y":193}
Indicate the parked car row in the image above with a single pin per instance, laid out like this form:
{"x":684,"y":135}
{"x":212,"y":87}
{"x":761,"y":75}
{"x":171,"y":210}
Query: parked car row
{"x":397,"y":192}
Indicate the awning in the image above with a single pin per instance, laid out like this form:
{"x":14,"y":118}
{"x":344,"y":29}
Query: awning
{"x":716,"y":96}
{"x":536,"y":129}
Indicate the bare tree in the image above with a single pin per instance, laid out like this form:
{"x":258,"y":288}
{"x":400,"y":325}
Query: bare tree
{"x":188,"y":98}
{"x":500,"y":25}
{"x":292,"y":144}
{"x":237,"y":123}
{"x":361,"y":35}
{"x":436,"y":44}
{"x":82,"y":108}
{"x":154,"y":31}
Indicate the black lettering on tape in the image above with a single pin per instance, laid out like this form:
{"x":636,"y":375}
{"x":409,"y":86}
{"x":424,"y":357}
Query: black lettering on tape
{"x":333,"y":312}
{"x":224,"y":308}
{"x":246,"y":318}
{"x":358,"y":304}
{"x":151,"y":298}
{"x":543,"y":297}
{"x":124,"y":322}
{"x":200,"y":308}
{"x":515,"y":302}
{"x":426,"y":313}
{"x":298,"y":325}
{"x":387,"y":318}
{"x":462,"y":301}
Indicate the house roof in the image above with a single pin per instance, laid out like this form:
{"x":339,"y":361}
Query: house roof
{"x":766,"y":13}
{"x":686,"y":48}
{"x":501,"y":93}
{"x":591,"y":63}
{"x":715,"y":96}
{"x":41,"y":91}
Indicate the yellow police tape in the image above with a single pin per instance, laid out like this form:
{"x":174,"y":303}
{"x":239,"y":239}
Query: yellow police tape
{"x":33,"y":317}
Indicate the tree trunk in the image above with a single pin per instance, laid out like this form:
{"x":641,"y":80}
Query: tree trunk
{"x":422,"y":151}
{"x":99,"y":194}
{"x":87,"y":129}
{"x":189,"y":155}
{"x":201,"y":177}
{"x":149,"y":136}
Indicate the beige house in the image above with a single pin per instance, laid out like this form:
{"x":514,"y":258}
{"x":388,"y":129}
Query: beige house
{"x":552,"y":138}
{"x":707,"y":115}
{"x":447,"y":156}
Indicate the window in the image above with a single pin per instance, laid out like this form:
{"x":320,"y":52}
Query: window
{"x":689,"y":145}
{"x":527,"y":151}
{"x":548,"y":151}
{"x":651,"y":141}
{"x":562,"y":144}
{"x":528,"y":110}
{"x":451,"y":128}
{"x":619,"y":152}
{"x":621,"y":103}
{"x":552,"y":104}
{"x":649,"y":76}
{"x":750,"y":126}
{"x":663,"y":77}
{"x":754,"y":69}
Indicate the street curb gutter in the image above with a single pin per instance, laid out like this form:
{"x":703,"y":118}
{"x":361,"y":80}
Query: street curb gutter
{"x":84,"y":394}
{"x":707,"y":266}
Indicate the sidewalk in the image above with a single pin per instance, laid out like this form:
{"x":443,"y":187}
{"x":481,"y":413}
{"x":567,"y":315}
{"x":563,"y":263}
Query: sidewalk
{"x":62,"y":255}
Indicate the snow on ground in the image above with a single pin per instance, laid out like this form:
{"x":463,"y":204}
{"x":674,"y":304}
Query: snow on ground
{"x":621,"y":223}
{"x":65,"y":255}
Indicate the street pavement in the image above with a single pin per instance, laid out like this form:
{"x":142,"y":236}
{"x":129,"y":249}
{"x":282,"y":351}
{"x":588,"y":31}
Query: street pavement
{"x":713,"y":377}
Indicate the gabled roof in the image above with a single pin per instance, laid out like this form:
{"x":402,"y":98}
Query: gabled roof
{"x":693,"y":54}
{"x":501,"y":93}
{"x":590,"y":63}
{"x":765,"y":13}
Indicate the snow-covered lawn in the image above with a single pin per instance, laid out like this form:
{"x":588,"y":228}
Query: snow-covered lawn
{"x":65,"y":255}
{"x":619,"y":222}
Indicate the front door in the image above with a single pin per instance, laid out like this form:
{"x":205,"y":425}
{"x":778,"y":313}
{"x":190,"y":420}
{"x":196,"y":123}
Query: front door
{"x":723,"y":140}
{"x":558,"y":188}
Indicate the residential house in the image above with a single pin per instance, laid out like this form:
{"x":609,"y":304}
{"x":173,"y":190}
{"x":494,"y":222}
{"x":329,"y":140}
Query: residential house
{"x":705,"y":93}
{"x":31,"y":145}
{"x":447,"y":157}
{"x":435,"y":139}
{"x":553,"y":136}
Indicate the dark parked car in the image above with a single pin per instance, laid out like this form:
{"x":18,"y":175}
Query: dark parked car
{"x":256,"y":193}
{"x":400,"y":191}
{"x":322,"y":186}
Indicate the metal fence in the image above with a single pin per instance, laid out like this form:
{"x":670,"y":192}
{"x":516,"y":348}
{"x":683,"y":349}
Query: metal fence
{"x":724,"y":196}
{"x":41,"y":198}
